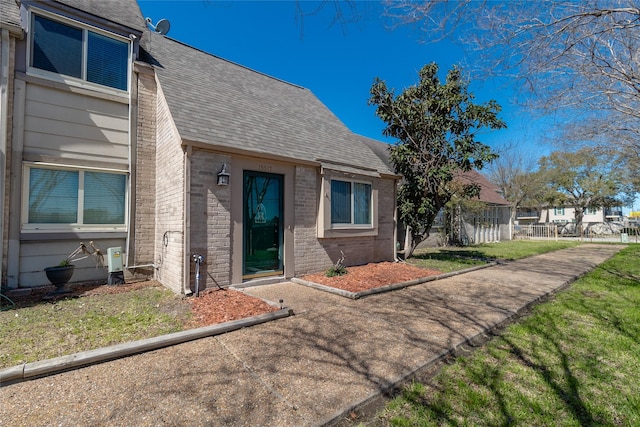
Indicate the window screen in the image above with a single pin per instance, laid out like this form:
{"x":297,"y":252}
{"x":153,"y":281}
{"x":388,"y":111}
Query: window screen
{"x":57,"y":47}
{"x":53,"y":196}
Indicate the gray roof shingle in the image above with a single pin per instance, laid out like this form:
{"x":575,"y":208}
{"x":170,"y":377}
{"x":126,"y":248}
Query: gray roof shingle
{"x":216,"y":102}
{"x":122,"y":12}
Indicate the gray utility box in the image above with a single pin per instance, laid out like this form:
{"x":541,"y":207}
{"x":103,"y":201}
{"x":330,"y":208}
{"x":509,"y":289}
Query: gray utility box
{"x":114,"y":265}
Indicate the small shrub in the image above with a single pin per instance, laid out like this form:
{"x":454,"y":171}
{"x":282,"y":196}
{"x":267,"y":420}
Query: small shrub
{"x":336,"y":271}
{"x":338,"y":268}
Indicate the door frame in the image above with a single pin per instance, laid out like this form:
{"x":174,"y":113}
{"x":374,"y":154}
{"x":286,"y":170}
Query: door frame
{"x":238,"y":164}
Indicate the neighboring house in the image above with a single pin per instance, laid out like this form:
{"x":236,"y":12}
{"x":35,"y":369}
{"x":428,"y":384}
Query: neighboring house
{"x":122,"y":136}
{"x":492,"y":223}
{"x":564,"y":214}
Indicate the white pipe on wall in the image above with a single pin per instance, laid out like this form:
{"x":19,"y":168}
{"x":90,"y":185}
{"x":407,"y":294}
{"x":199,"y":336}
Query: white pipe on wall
{"x":4,"y":131}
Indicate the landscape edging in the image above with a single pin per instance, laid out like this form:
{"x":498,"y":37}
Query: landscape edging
{"x":387,"y":288}
{"x":32,"y":370}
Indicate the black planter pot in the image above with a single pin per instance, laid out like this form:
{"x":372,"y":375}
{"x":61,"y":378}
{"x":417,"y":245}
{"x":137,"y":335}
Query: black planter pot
{"x":59,"y":275}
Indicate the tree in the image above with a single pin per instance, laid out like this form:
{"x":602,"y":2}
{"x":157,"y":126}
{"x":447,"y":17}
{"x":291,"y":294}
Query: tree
{"x":581,"y":180}
{"x":436,"y":125}
{"x":514,"y":173}
{"x":579,"y":58}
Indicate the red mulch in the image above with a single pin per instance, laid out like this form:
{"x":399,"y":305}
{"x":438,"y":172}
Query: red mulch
{"x":225,"y":305}
{"x":370,"y":276}
{"x":216,"y":306}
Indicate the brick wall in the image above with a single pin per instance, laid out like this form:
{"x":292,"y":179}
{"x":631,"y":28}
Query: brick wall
{"x":143,"y":235}
{"x":210,"y":218}
{"x":313,"y":254}
{"x":170,"y":202}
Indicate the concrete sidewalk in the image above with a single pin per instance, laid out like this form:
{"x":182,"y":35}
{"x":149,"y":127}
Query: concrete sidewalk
{"x":309,"y":369}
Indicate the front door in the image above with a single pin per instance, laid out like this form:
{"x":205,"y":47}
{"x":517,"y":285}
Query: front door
{"x":262,"y":225}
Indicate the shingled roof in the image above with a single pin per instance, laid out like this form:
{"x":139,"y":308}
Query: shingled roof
{"x":489,"y":193}
{"x":122,"y":12}
{"x":9,"y":12}
{"x":227,"y":106}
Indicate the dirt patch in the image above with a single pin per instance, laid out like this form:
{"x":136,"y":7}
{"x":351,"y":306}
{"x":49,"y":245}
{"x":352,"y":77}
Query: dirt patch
{"x":371,"y":276}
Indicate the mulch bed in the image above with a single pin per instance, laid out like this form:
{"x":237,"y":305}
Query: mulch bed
{"x":371,"y":276}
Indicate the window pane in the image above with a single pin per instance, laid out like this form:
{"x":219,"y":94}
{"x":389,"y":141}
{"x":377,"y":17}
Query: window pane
{"x":362,"y":203}
{"x":340,"y":202}
{"x":107,"y":61}
{"x":57,"y":47}
{"x":53,"y":196}
{"x":104,"y":198}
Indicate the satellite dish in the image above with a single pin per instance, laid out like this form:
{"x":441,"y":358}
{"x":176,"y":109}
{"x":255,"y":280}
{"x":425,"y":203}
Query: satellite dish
{"x":161,"y":27}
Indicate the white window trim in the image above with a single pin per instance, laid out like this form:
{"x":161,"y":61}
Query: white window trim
{"x":69,"y":80}
{"x":328,"y":230}
{"x":26,"y":227}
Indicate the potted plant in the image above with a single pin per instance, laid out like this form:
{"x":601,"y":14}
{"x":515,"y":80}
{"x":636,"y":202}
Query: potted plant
{"x":59,"y":275}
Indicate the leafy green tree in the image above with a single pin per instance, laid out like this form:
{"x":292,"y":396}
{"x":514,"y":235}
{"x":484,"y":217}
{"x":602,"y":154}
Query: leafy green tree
{"x":436,"y":125}
{"x":582,"y":179}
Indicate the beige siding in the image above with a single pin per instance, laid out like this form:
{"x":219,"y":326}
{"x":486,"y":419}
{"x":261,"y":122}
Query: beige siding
{"x":170,"y":200}
{"x":36,"y":255}
{"x":67,"y":125}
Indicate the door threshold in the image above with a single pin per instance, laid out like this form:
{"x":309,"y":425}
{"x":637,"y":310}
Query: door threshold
{"x":270,"y":280}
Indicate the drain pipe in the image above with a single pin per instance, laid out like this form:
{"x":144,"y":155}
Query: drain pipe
{"x":4,"y":123}
{"x":186,"y":227}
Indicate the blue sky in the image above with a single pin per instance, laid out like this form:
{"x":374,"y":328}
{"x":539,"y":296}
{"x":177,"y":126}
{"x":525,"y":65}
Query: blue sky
{"x":338,"y":64}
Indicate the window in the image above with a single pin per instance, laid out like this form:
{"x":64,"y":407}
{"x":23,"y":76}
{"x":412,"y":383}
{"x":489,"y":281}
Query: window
{"x":591,"y":211}
{"x":558,"y":211}
{"x":350,"y":203}
{"x":58,"y":198}
{"x":77,"y":52}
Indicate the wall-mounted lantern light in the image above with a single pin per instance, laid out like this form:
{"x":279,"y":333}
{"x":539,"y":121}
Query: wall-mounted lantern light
{"x":223,"y":175}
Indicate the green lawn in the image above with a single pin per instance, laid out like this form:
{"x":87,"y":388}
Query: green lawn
{"x":574,"y":362}
{"x":46,"y":330}
{"x":457,"y":258}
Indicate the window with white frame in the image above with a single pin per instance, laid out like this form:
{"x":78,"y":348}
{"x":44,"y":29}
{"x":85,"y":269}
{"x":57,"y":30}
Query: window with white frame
{"x":591,"y":210}
{"x":68,"y":198}
{"x":350,"y":203}
{"x":558,"y":211}
{"x":75,"y":51}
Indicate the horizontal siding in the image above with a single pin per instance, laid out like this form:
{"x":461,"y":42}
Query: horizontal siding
{"x":36,"y":256}
{"x":67,"y":125}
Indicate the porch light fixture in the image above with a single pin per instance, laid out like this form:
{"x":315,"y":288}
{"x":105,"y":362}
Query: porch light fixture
{"x":223,"y":175}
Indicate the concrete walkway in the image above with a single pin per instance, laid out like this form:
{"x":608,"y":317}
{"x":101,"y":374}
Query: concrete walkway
{"x":307,"y":369}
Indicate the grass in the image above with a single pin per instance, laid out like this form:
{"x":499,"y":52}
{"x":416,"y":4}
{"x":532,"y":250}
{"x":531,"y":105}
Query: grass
{"x":46,"y":330}
{"x":573,"y":362}
{"x":457,"y":258}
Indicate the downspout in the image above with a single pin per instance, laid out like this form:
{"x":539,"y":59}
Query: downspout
{"x":395,"y":221}
{"x":133,"y":122}
{"x":4,"y":132}
{"x":186,"y":231}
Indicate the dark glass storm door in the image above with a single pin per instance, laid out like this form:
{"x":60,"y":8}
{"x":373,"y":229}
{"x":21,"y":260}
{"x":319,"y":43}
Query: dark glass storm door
{"x":262,"y":224}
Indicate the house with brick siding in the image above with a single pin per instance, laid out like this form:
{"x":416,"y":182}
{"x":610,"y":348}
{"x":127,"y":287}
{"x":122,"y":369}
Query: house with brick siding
{"x":122,"y":136}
